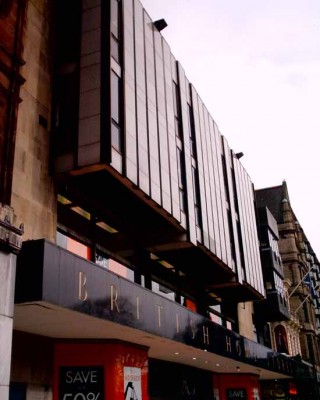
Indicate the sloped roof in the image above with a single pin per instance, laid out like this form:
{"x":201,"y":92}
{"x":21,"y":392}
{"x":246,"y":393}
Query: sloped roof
{"x":272,"y":198}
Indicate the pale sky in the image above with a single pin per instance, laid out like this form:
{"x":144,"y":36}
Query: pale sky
{"x":256,"y":66}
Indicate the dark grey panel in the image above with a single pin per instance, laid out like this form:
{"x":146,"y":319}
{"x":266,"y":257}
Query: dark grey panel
{"x":212,"y":161}
{"x":155,"y":189}
{"x":141,"y":104}
{"x":229,"y":166}
{"x":242,"y":216}
{"x":249,"y":205}
{"x":129,"y":93}
{"x":248,"y":228}
{"x":220,"y":193}
{"x":89,"y":132}
{"x":201,"y":173}
{"x":205,"y":149}
{"x":252,"y":279}
{"x":89,"y":154}
{"x":168,"y":77}
{"x":162,"y":124}
{"x":234,"y":211}
{"x":183,"y":84}
{"x":255,"y":241}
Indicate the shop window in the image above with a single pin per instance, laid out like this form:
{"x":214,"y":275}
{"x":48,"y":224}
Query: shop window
{"x":114,"y":266}
{"x":102,"y":260}
{"x":215,"y":318}
{"x":73,"y":245}
{"x":121,"y":270}
{"x":191,"y":305}
{"x":163,"y":291}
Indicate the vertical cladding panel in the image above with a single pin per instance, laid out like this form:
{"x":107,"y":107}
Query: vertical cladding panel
{"x":242,"y":219}
{"x":213,"y":146}
{"x":254,"y":240}
{"x":235,"y":164}
{"x":90,"y":87}
{"x":256,"y":249}
{"x":249,"y":202}
{"x":203,"y":136}
{"x":216,"y":189}
{"x":228,"y":187}
{"x":174,"y":69}
{"x":258,"y":264}
{"x":214,"y":239}
{"x":221,"y":197}
{"x":251,"y":277}
{"x":143,"y":150}
{"x":247,"y":219}
{"x":241,"y":270}
{"x":201,"y":171}
{"x":129,"y":93}
{"x":171,"y":131}
{"x":183,"y":84}
{"x":152,"y":112}
{"x":162,"y":124}
{"x":229,"y":155}
{"x":224,"y":209}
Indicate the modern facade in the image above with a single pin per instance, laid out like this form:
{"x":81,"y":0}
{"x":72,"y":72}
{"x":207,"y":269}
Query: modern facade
{"x":136,"y":265}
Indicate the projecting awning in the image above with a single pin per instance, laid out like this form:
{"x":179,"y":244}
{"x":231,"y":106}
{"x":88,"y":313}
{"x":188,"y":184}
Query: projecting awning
{"x":59,"y":294}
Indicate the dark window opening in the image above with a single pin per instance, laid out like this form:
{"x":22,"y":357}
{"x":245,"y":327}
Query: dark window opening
{"x":225,"y":178}
{"x":181,"y":180}
{"x":192,"y":133}
{"x":310,"y":349}
{"x":196,"y":196}
{"x":241,"y":251}
{"x":116,"y":136}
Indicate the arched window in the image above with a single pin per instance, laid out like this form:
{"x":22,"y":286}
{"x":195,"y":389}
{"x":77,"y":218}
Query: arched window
{"x":281,"y":339}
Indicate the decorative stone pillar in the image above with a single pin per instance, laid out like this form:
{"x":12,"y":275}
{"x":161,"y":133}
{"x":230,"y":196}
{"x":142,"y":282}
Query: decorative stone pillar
{"x":10,"y":244}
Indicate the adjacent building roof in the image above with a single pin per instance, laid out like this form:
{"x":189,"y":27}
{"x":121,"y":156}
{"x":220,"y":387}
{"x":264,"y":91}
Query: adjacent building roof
{"x":272,"y":198}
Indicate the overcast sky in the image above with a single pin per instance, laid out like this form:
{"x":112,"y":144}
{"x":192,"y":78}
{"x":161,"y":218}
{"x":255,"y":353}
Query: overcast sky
{"x":256,"y":66}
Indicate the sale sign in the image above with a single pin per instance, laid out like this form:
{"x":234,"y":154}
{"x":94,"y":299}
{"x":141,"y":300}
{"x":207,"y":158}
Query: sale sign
{"x":81,"y":383}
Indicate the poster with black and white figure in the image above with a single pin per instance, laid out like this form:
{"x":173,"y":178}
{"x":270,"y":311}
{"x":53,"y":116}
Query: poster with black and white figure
{"x":132,"y":383}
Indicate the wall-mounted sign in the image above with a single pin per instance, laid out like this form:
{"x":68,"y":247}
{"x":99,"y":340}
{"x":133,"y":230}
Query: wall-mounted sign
{"x":62,"y":278}
{"x":132,"y":383}
{"x":236,"y":393}
{"x":81,"y":383}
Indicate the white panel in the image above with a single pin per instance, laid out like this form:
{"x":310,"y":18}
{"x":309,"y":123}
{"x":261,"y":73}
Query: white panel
{"x":7,"y":280}
{"x":6,"y":324}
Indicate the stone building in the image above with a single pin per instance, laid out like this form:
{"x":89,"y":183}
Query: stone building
{"x":301,"y":276}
